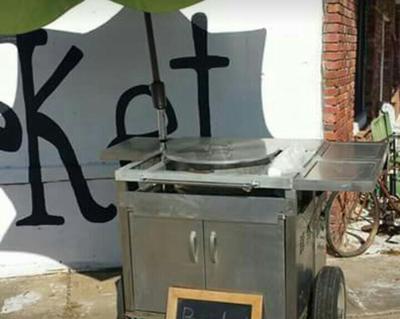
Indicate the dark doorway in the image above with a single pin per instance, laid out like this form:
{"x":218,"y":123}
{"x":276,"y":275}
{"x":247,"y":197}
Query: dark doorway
{"x":377,"y":62}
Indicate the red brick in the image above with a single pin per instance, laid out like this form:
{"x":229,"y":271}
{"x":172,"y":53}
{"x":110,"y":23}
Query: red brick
{"x":333,"y":47}
{"x":330,"y":118}
{"x":333,"y":18}
{"x":334,"y":65}
{"x":330,"y":135}
{"x":335,"y":74}
{"x":335,"y":8}
{"x":331,"y":92}
{"x":334,"y":56}
{"x":334,"y":28}
{"x":333,"y":38}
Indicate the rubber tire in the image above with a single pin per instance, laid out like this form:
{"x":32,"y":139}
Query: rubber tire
{"x":326,"y":293}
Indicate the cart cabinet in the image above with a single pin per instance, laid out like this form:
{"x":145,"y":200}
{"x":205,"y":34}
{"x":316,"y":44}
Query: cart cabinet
{"x":267,"y":251}
{"x":248,"y":258}
{"x":207,"y":214}
{"x":165,"y":252}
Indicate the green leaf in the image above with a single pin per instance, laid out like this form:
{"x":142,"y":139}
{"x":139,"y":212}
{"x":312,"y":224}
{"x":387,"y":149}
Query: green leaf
{"x":20,"y":16}
{"x":157,"y":5}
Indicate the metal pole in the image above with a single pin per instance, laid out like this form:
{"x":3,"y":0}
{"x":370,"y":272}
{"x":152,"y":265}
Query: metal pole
{"x":157,"y":87}
{"x":382,"y":66}
{"x":152,"y":47}
{"x":385,"y":20}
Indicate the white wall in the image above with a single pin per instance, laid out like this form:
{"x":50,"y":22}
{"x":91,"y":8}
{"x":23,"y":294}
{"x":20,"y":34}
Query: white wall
{"x":272,"y":87}
{"x":291,"y":70}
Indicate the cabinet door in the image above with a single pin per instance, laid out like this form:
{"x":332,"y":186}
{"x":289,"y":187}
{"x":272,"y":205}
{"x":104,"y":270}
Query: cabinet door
{"x":165,"y":252}
{"x":247,"y":258}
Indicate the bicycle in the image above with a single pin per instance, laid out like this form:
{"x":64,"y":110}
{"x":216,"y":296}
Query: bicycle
{"x":354,"y":219}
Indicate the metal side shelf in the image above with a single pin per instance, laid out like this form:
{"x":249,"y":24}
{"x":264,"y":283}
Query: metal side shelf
{"x":344,"y":167}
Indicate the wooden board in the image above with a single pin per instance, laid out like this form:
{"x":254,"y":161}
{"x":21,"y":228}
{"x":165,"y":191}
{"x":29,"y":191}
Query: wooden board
{"x":205,"y":304}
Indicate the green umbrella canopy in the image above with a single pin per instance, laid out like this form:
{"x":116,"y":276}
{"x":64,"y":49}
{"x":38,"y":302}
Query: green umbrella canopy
{"x":21,"y":16}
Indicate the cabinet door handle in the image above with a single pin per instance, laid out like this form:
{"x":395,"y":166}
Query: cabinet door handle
{"x":194,"y":249}
{"x":213,"y":247}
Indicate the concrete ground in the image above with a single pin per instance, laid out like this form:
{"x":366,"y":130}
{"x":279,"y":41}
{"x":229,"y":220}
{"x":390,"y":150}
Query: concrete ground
{"x":56,"y":296}
{"x":373,"y":286}
{"x":373,"y":280}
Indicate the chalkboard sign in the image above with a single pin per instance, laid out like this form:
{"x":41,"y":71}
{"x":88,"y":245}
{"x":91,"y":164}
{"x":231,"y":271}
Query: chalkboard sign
{"x":206,"y":304}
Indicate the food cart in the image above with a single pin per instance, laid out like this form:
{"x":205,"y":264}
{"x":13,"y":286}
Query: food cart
{"x":211,"y":213}
{"x":239,"y":215}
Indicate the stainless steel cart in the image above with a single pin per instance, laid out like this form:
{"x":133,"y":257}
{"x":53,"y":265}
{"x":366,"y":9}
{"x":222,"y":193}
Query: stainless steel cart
{"x":207,"y":214}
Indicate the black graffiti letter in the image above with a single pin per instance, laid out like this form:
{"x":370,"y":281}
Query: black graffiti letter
{"x":41,"y":126}
{"x":122,"y":107}
{"x":202,"y":63}
{"x":11,"y":133}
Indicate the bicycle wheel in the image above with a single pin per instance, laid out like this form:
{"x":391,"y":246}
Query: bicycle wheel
{"x":387,"y":200}
{"x":352,"y":221}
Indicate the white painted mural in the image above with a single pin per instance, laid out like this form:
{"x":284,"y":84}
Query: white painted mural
{"x":232,"y":68}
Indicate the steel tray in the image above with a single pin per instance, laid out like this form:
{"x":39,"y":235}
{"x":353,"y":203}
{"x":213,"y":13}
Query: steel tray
{"x":344,"y":167}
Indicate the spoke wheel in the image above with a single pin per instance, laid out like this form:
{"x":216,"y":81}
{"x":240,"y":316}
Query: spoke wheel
{"x":388,"y":201}
{"x":352,"y":222}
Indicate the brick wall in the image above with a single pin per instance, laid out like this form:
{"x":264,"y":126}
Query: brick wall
{"x":339,"y":62}
{"x":339,"y":67}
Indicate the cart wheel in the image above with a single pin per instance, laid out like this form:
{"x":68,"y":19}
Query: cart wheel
{"x":352,"y":222}
{"x":329,"y":295}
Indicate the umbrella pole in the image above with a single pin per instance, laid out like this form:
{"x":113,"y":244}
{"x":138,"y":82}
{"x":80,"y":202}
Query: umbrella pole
{"x":157,"y":87}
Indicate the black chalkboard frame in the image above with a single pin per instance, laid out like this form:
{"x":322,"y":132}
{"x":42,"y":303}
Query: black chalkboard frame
{"x":175,"y":294}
